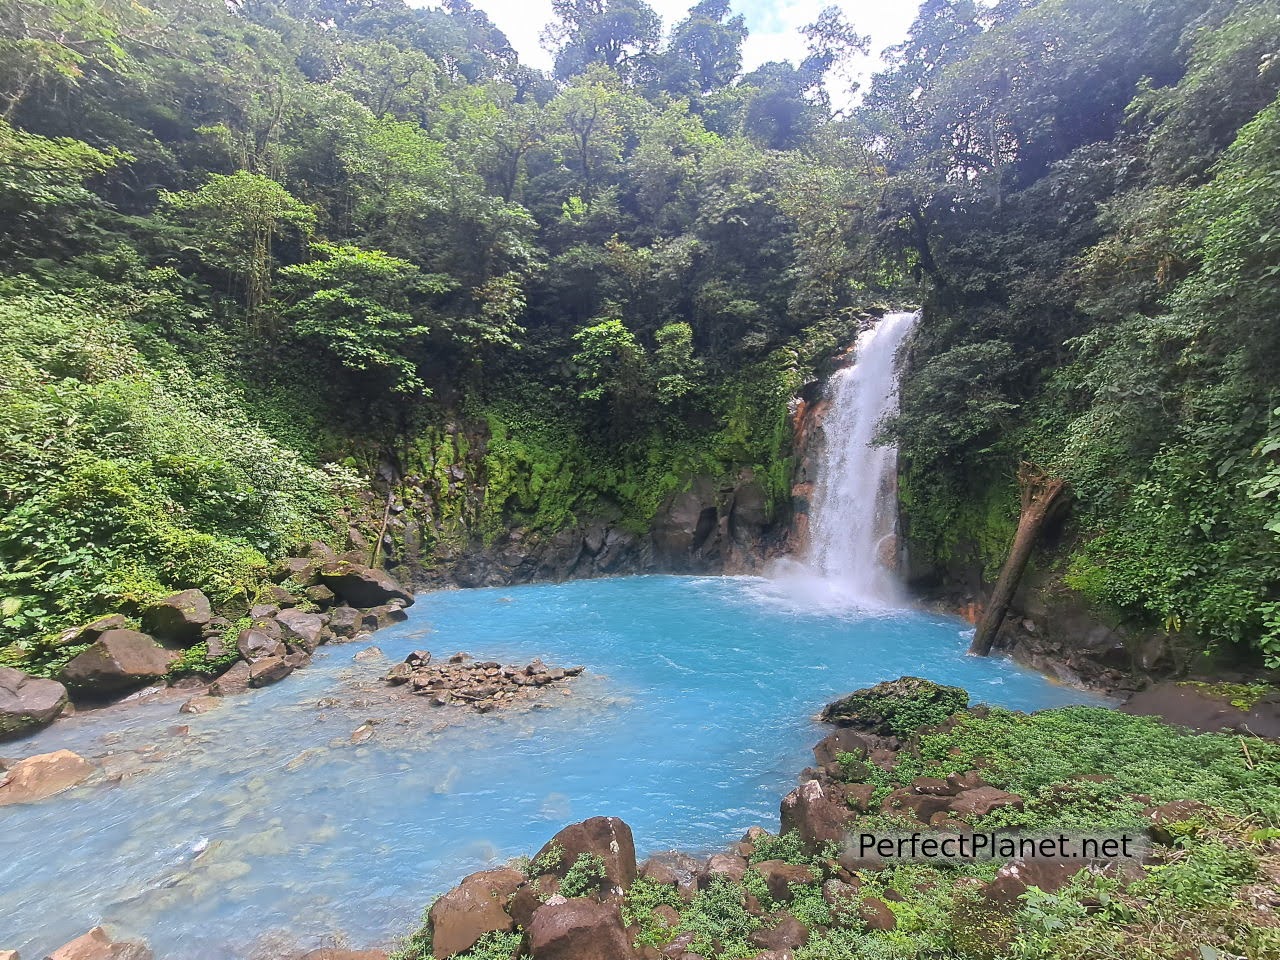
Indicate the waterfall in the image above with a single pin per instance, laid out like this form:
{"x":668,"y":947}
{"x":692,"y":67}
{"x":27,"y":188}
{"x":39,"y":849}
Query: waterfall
{"x":853,"y":513}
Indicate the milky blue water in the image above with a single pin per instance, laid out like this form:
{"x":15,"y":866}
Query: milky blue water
{"x":264,"y":826}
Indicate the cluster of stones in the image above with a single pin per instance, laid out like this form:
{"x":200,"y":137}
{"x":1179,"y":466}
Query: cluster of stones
{"x":591,"y":926}
{"x":99,"y":944}
{"x":345,"y":601}
{"x":482,"y":685}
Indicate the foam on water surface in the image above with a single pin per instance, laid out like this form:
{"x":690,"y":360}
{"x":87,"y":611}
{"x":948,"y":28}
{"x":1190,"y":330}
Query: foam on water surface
{"x":265,"y":827}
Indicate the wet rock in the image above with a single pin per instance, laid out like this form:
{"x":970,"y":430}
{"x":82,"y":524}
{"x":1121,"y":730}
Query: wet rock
{"x":119,"y":660}
{"x":233,"y":681}
{"x":297,"y":659}
{"x":306,"y":627}
{"x":43,"y":775}
{"x":369,"y":654}
{"x":787,"y":933}
{"x":896,"y":707}
{"x":9,"y":955}
{"x":362,"y":586}
{"x":470,"y":910}
{"x":579,"y":929}
{"x":267,"y":671}
{"x":780,"y":875}
{"x":608,"y":838}
{"x":98,"y":945}
{"x":263,"y":611}
{"x":362,"y":733}
{"x":201,"y":704}
{"x":483,"y":685}
{"x":1201,"y":707}
{"x":255,"y":644}
{"x":383,"y":615}
{"x":399,"y":673}
{"x":179,"y":618}
{"x":28,"y":703}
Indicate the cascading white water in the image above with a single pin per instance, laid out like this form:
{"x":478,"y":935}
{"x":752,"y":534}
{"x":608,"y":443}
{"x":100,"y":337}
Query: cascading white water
{"x":853,"y":513}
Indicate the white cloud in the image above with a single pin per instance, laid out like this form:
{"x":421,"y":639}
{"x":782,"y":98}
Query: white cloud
{"x":774,"y":25}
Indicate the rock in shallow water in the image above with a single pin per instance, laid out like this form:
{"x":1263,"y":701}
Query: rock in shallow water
{"x":43,"y":775}
{"x":28,"y":703}
{"x":98,"y":945}
{"x":119,"y":660}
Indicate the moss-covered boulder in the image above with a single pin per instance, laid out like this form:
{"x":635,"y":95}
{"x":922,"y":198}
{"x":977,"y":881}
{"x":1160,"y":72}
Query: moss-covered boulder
{"x":897,"y":707}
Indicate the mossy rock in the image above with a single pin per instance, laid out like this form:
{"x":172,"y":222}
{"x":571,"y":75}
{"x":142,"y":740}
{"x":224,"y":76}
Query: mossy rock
{"x":897,"y":707}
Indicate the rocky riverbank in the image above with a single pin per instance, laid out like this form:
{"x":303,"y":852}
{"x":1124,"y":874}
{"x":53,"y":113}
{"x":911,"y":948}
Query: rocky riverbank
{"x":183,"y":641}
{"x":913,"y":756}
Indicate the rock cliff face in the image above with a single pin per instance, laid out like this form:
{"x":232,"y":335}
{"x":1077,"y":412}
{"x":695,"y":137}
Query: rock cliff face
{"x":444,"y":528}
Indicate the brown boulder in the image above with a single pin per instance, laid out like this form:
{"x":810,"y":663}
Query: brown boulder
{"x":179,"y":618}
{"x":119,"y":660}
{"x":235,"y":680}
{"x":43,"y":775}
{"x":780,"y":875}
{"x":921,"y":805}
{"x":607,"y":838}
{"x":254,"y":644}
{"x":981,"y":801}
{"x":786,"y":934}
{"x":733,"y":868}
{"x":92,"y":631}
{"x":306,"y":627}
{"x":97,"y":945}
{"x":361,"y":586}
{"x":1017,"y":876}
{"x":1176,"y":811}
{"x":471,"y":909}
{"x":267,"y":671}
{"x":876,"y":914}
{"x":28,"y":703}
{"x":815,"y":815}
{"x":344,"y":621}
{"x":579,"y":929}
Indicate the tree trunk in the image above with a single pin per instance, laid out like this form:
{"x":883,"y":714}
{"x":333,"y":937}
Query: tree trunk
{"x":1040,"y":496}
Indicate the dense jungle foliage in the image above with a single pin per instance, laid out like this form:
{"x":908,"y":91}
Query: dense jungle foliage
{"x":251,"y":249}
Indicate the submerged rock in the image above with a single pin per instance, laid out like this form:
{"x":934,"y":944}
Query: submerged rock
{"x":118,"y":661}
{"x":28,"y":703}
{"x":98,"y":945}
{"x":43,"y":775}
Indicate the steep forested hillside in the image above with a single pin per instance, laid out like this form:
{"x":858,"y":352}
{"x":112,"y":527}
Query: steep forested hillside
{"x":263,"y":259}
